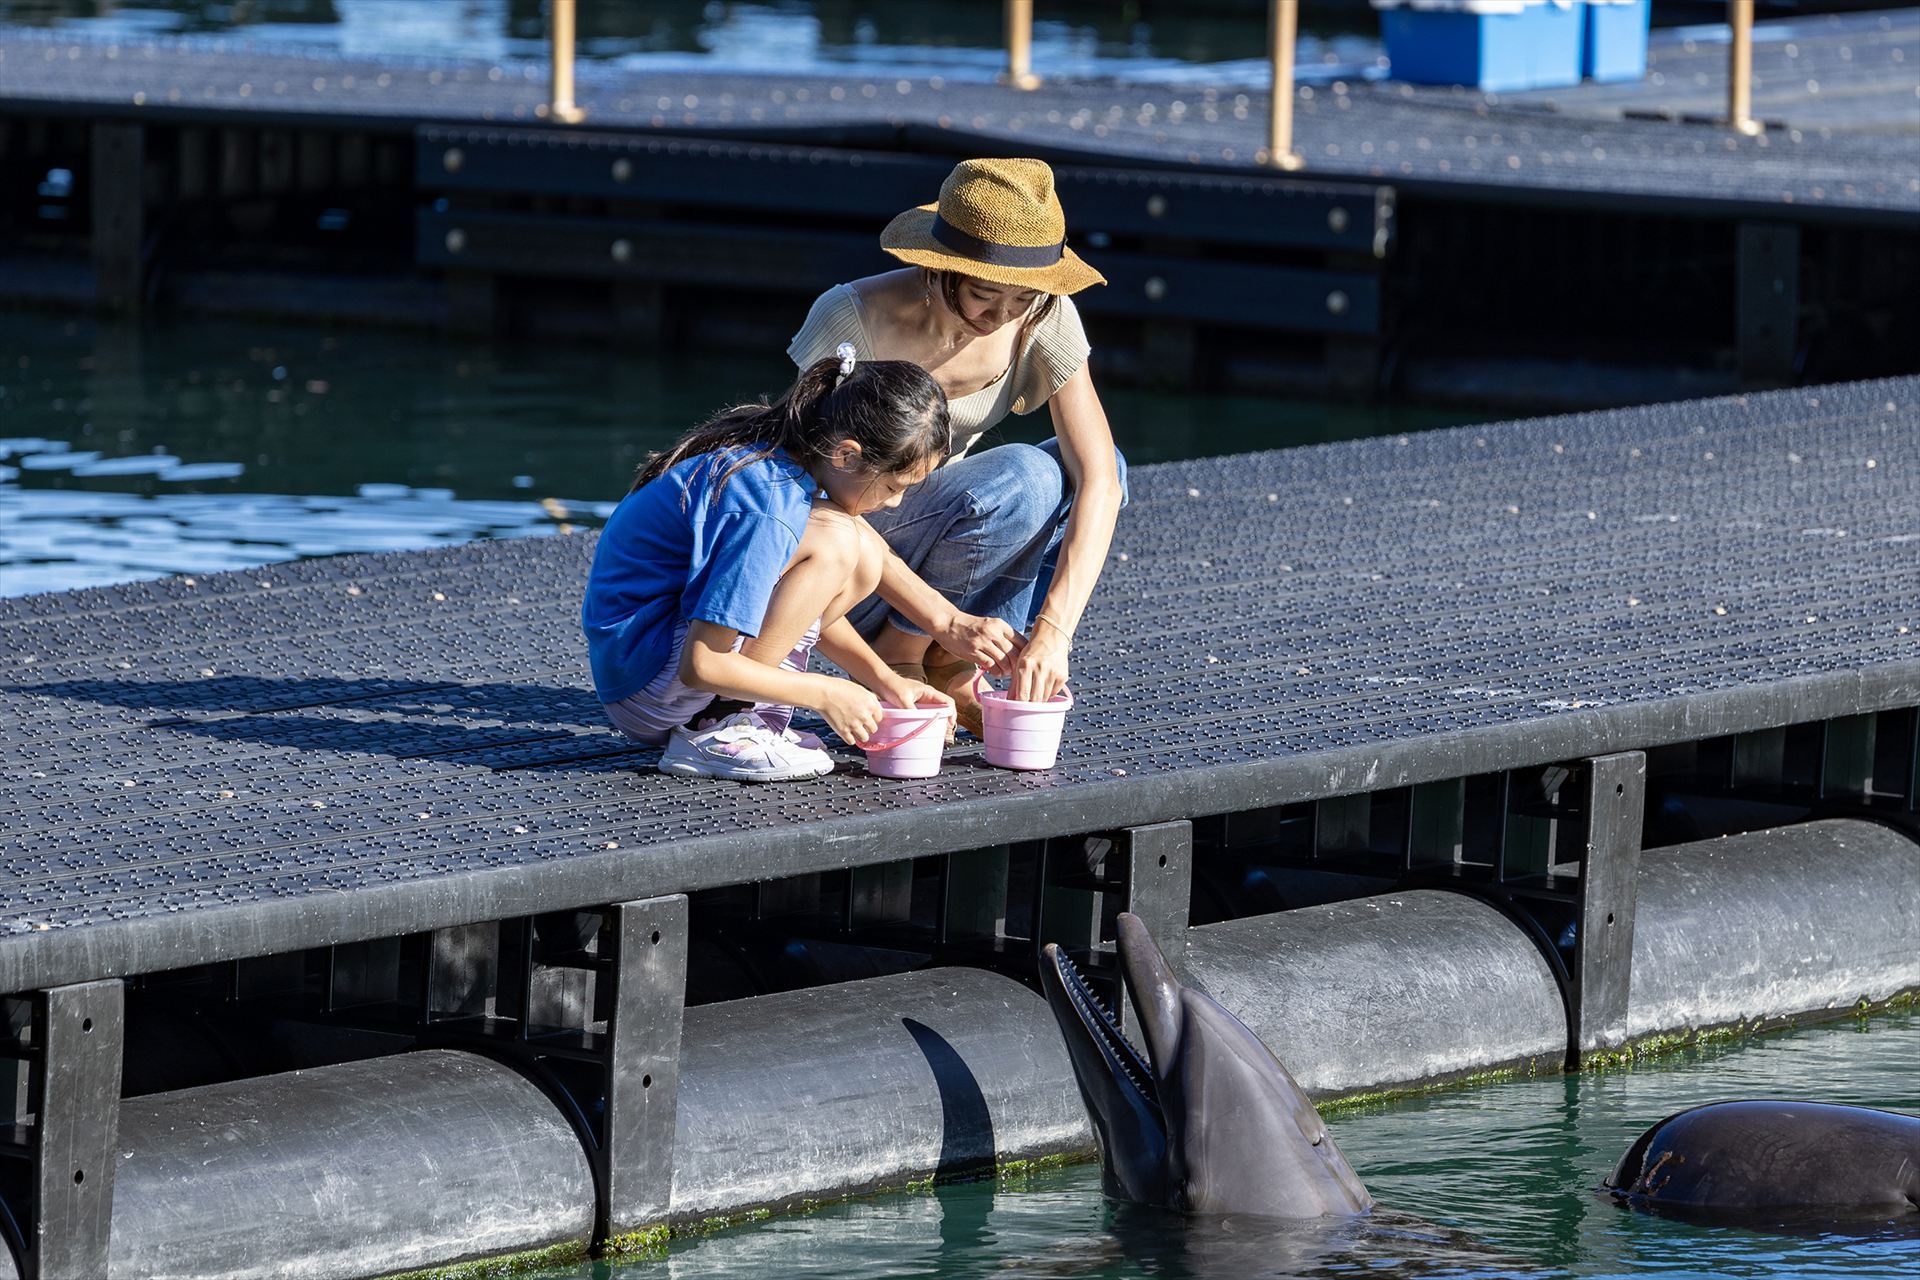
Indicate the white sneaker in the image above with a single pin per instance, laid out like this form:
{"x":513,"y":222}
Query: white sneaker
{"x":808,"y":747}
{"x":811,"y":744}
{"x":806,"y":742}
{"x":742,"y":749}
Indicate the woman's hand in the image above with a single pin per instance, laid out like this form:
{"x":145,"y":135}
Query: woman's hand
{"x":1041,"y":669}
{"x":851,"y":711}
{"x":987,"y":643}
{"x":898,"y":691}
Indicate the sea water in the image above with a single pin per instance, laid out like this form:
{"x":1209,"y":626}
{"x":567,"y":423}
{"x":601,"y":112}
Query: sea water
{"x":1484,"y":1180}
{"x":129,"y":453}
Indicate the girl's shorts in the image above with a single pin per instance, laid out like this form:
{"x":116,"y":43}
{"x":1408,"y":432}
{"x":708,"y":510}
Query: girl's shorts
{"x":666,"y":704}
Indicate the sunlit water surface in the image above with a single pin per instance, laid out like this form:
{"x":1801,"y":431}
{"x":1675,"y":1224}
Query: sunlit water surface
{"x":962,"y":39}
{"x":129,"y":453}
{"x":1495,"y":1180}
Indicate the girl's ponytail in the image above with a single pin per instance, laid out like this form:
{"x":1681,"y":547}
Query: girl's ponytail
{"x":893,"y":409}
{"x":800,"y":407}
{"x":753,"y":431}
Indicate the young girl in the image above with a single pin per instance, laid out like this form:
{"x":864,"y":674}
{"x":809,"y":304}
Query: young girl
{"x":739,"y":551}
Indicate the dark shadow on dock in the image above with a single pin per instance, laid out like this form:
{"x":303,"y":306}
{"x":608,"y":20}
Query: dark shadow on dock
{"x":966,"y":1125}
{"x":505,"y":725}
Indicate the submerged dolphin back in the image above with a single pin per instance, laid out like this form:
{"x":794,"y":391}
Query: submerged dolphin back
{"x":1766,"y":1156}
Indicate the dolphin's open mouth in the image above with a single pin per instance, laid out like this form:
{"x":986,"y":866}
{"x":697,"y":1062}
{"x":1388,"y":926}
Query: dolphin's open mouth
{"x":1105,"y":1030}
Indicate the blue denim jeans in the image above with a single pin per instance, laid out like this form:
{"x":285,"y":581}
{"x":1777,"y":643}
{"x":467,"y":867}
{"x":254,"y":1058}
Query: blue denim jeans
{"x":984,"y":532}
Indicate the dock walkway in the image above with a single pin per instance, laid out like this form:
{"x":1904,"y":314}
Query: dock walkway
{"x":1522,"y":148}
{"x":1856,"y":72}
{"x":351,"y":748}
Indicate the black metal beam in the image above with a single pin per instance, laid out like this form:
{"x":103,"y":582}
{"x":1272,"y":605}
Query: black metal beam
{"x":973,"y":903}
{"x":1612,"y":800}
{"x":649,"y":975}
{"x":814,"y":181}
{"x":77,"y":1031}
{"x":1144,"y":286}
{"x":1155,"y":870}
{"x":1767,"y":300}
{"x":118,"y":177}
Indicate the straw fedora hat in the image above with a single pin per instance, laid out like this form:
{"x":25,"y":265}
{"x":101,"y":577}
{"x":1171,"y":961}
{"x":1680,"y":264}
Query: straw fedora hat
{"x":996,"y":220}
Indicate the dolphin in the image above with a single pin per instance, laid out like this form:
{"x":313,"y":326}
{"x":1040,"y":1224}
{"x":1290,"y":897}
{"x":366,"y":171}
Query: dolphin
{"x":1207,"y":1121}
{"x":1768,"y":1157}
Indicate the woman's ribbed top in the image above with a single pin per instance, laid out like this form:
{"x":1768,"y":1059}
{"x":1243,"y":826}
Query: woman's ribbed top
{"x":1052,"y":353}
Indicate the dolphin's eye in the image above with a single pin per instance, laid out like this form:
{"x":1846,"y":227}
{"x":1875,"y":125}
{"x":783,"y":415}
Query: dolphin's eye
{"x":1319,"y":1137}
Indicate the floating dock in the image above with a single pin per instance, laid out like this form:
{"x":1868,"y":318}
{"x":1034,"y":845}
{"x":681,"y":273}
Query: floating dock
{"x":1565,"y":249}
{"x":1417,"y":751}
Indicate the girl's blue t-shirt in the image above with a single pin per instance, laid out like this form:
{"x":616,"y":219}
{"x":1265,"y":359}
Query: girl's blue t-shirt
{"x":675,"y":551}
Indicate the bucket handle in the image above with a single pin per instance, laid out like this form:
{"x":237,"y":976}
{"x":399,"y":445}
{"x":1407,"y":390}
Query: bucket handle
{"x":981,"y":686}
{"x":906,"y":737}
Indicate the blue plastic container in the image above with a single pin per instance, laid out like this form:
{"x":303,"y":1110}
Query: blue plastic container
{"x":1615,"y":47}
{"x":1497,"y":45}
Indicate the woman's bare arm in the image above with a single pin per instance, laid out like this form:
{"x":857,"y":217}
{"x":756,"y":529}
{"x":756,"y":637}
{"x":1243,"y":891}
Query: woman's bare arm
{"x":1086,"y":451}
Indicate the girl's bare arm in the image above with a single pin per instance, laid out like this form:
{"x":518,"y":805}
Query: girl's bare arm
{"x":985,"y":642}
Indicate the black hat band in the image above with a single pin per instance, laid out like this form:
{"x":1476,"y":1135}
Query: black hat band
{"x":995,"y":255}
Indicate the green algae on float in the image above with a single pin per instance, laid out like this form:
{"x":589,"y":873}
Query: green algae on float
{"x":1666,"y":1044}
{"x":565,"y":1254}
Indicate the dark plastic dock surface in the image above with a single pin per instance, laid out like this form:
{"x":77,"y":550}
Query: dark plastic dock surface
{"x":370,"y":745}
{"x":1835,"y":71}
{"x":1391,"y":132}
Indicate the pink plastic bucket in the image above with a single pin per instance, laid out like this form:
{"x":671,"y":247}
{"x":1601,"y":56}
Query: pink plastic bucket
{"x":1023,"y":735}
{"x":909,"y":742}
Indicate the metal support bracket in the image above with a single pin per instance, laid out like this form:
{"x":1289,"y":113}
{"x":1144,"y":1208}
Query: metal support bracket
{"x":649,"y":976}
{"x":1614,"y":805}
{"x":1911,"y":784}
{"x":1155,"y":865}
{"x":973,"y":907}
{"x":1767,"y":298}
{"x":119,"y":215}
{"x":1068,"y":891}
{"x":77,"y":1032}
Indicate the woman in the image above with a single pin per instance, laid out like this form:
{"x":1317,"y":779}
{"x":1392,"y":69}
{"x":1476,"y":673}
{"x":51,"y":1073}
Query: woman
{"x":995,"y":554}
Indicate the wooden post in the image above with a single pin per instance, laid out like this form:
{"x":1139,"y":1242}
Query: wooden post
{"x":1282,"y":27}
{"x":561,"y":107}
{"x":1740,"y":67}
{"x":1020,"y":46}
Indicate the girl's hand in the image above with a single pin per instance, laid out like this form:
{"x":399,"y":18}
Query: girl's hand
{"x":852,"y":712}
{"x":898,"y":691}
{"x":1041,"y":669}
{"x":987,"y":643}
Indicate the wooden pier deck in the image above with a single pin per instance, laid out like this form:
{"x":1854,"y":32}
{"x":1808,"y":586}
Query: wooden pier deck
{"x":369,"y":746}
{"x":1356,"y":131}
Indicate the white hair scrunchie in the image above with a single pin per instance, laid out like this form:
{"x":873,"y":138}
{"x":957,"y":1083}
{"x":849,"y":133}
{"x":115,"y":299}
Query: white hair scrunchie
{"x":848,"y":356}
